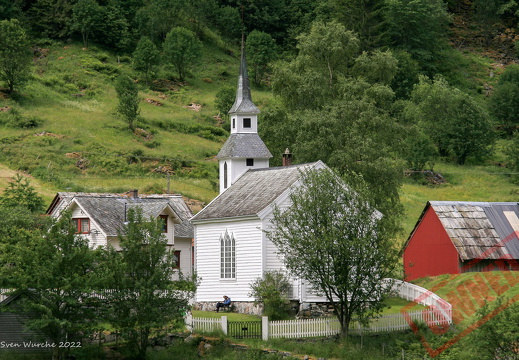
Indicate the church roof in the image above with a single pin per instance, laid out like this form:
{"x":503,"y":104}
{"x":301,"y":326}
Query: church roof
{"x":244,"y":146}
{"x":243,"y":103}
{"x":252,"y":192}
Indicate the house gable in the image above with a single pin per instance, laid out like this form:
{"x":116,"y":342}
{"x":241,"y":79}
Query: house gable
{"x":429,"y":250}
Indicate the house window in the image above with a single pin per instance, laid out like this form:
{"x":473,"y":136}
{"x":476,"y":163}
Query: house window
{"x":164,"y":219}
{"x":225,"y":175}
{"x":246,"y":123}
{"x":177,"y":259}
{"x":82,"y":225}
{"x":227,"y":256}
{"x":250,"y":162}
{"x":233,"y":123}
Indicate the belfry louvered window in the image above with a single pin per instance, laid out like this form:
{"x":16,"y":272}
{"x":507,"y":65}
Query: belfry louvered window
{"x":227,"y":256}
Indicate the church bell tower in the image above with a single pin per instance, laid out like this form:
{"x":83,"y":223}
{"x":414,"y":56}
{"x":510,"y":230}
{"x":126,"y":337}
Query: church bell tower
{"x":244,"y":149}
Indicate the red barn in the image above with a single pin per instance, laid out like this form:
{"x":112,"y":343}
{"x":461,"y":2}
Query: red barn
{"x":454,"y":237}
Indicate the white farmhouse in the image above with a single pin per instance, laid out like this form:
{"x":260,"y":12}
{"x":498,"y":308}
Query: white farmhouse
{"x":231,"y":248}
{"x":100,"y":217}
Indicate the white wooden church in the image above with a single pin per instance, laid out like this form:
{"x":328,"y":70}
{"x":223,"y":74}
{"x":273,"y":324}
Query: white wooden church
{"x":231,"y":248}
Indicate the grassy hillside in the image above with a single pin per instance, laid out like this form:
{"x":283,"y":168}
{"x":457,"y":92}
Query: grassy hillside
{"x":63,"y":130}
{"x":468,"y":292}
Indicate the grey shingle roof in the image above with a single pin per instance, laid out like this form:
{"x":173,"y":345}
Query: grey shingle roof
{"x":244,"y":146}
{"x":252,"y":192}
{"x":108,"y":210}
{"x":479,"y":230}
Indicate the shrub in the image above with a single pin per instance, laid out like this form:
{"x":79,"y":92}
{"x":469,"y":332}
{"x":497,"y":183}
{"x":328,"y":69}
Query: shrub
{"x":271,"y":290}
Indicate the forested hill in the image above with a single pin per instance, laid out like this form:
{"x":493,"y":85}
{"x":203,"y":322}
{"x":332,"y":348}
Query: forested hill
{"x":109,"y":95}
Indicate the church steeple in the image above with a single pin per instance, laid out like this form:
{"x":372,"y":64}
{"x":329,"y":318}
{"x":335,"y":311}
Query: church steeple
{"x":243,"y":102}
{"x":244,"y":149}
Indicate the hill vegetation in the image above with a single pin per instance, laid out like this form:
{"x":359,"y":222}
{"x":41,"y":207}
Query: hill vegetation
{"x":379,"y":98}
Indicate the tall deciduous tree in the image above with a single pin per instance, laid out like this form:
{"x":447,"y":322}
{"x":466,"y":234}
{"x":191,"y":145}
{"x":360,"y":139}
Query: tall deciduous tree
{"x":86,"y":17}
{"x":15,"y":55}
{"x":338,"y":110}
{"x":144,"y":296}
{"x":333,"y":237}
{"x":458,"y":126}
{"x":418,"y":27}
{"x":182,"y":49}
{"x":128,"y":95}
{"x":261,"y":51}
{"x":55,"y":268}
{"x":503,"y":102}
{"x":145,"y":57}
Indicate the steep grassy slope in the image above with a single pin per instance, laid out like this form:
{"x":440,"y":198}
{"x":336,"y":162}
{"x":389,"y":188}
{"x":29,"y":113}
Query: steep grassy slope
{"x":468,"y":292}
{"x":77,"y":142}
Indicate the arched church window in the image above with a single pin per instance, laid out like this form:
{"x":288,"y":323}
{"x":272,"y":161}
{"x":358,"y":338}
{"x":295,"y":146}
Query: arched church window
{"x":225,"y":175}
{"x":227,"y":256}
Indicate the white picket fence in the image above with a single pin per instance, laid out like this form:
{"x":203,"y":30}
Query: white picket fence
{"x":438,"y":313}
{"x":304,"y":328}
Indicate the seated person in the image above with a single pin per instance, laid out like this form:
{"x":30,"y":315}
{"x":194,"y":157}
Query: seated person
{"x":226,"y":303}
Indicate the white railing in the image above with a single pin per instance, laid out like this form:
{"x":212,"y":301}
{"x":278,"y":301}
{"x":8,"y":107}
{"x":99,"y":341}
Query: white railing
{"x":3,"y":294}
{"x":422,"y":296}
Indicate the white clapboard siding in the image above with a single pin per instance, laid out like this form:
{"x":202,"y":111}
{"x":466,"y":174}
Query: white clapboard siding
{"x":249,"y":266}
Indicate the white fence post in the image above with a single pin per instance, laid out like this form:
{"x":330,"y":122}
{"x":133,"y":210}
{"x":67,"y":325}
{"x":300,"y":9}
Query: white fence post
{"x":224,"y":324}
{"x":264,"y":328}
{"x":188,"y":319}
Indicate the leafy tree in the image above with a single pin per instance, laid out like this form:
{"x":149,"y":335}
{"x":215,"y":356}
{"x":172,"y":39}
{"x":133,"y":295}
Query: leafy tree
{"x":503,"y":103}
{"x":311,"y":79}
{"x":10,"y":9}
{"x":158,"y":17}
{"x":512,"y":155}
{"x":496,"y":337}
{"x":261,"y":51}
{"x":332,"y":237}
{"x":271,"y":290}
{"x":50,"y":18}
{"x":182,"y":49}
{"x":55,"y":268}
{"x":364,"y":17}
{"x":458,"y":126}
{"x":145,"y":57}
{"x":20,"y":193}
{"x":420,"y":150}
{"x":406,"y":76}
{"x":145,"y":297}
{"x":15,"y":56}
{"x":115,"y":30}
{"x":337,"y":108}
{"x":418,"y":27}
{"x":128,"y":95}
{"x":86,"y":17}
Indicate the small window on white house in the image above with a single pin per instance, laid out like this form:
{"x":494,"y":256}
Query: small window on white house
{"x":233,"y":123}
{"x":250,"y":162}
{"x":227,"y":256}
{"x":82,"y":225}
{"x":246,"y":123}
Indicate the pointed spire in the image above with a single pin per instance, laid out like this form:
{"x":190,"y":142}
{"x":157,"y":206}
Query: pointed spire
{"x":243,"y":102}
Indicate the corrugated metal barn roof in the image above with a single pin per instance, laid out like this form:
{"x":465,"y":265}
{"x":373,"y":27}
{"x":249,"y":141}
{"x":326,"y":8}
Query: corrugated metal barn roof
{"x":480,"y":230}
